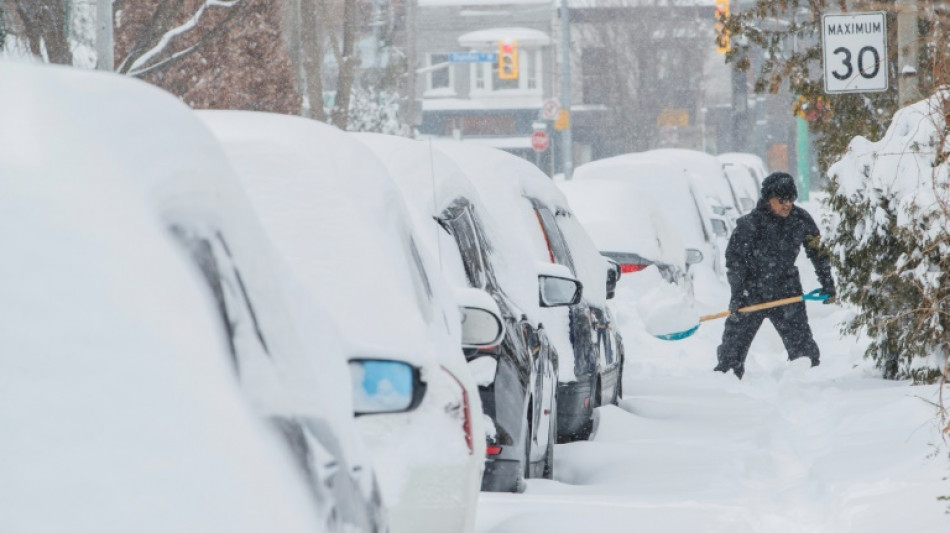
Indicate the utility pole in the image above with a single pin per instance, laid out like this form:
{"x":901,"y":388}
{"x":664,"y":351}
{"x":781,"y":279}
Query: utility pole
{"x":907,"y":44}
{"x":105,"y":44}
{"x":567,"y":150}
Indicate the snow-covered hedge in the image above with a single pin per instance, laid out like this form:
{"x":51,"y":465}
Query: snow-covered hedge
{"x":890,"y":240}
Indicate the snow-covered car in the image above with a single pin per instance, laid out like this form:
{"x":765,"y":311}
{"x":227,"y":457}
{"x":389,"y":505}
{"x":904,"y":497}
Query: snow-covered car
{"x":752,"y":162}
{"x":627,"y":226}
{"x":676,"y":197}
{"x":537,"y":218}
{"x":332,"y":210}
{"x":708,"y":176}
{"x":516,"y":378}
{"x":150,"y":313}
{"x":744,"y":184}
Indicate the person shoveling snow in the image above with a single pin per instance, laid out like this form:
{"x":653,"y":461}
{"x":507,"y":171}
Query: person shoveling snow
{"x":760,"y":264}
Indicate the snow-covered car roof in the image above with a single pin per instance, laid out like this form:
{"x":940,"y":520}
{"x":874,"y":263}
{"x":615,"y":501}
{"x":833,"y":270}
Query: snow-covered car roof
{"x":704,"y":169}
{"x":620,"y":218}
{"x":118,"y":404}
{"x":744,"y":184}
{"x":751,"y":161}
{"x":669,"y":190}
{"x":334,"y":213}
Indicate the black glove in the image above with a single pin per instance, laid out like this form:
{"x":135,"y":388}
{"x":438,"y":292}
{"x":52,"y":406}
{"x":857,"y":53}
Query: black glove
{"x":733,"y":307}
{"x":830,"y":293}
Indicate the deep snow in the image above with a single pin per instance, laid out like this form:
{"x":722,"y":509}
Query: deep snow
{"x":787,"y":449}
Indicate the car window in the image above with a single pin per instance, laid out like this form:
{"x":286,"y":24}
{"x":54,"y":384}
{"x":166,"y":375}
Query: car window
{"x":238,"y":318}
{"x":422,"y":288}
{"x":459,"y":221}
{"x":699,"y":213}
{"x":557,"y":247}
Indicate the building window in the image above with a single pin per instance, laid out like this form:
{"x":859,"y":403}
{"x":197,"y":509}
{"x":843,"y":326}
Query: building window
{"x":479,"y":72}
{"x":530,"y":68}
{"x":440,"y":79}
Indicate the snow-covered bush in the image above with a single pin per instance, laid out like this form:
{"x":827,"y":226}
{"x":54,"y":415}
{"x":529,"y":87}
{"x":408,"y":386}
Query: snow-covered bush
{"x":890,"y":240}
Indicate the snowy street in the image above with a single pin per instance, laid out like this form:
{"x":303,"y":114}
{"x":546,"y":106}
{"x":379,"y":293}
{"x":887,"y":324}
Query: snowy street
{"x":788,"y":449}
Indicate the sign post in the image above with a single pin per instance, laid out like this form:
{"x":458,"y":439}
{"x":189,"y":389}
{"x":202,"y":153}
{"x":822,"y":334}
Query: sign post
{"x":854,"y":52}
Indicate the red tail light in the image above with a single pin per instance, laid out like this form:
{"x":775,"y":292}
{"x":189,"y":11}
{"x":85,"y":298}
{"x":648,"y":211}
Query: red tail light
{"x":466,"y":413}
{"x":628,"y":268}
{"x":492,"y":450}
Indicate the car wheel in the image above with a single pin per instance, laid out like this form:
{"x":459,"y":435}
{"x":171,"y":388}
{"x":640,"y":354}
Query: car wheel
{"x":548,"y":472}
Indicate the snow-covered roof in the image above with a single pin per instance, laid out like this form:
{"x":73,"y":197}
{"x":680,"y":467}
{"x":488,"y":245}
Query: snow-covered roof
{"x":524,"y":36}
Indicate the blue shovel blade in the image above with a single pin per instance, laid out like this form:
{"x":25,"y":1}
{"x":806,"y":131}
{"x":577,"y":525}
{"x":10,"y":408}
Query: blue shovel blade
{"x":679,"y":335}
{"x":815,"y":296}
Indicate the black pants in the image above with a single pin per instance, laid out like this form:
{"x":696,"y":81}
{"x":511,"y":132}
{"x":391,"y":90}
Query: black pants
{"x":791,"y":322}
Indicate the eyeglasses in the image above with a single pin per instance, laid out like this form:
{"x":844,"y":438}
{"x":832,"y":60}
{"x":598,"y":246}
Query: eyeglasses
{"x":786,"y":200}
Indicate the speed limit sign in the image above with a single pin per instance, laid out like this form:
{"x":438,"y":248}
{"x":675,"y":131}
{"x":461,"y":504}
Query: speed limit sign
{"x":854,"y":49}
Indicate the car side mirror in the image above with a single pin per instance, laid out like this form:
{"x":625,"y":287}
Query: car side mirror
{"x":693,"y":257}
{"x":482,"y":325}
{"x":556,"y":291}
{"x":385,"y":386}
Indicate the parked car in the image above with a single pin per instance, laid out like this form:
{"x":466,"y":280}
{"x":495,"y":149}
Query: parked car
{"x":677,"y":197}
{"x":517,"y":378}
{"x":334,"y":213}
{"x":744,"y":183}
{"x":755,"y":165}
{"x":708,"y":176}
{"x":150,"y":313}
{"x":627,"y":226}
{"x":535,"y":215}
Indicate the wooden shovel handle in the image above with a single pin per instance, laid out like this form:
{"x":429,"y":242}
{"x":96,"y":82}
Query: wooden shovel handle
{"x":756,"y":307}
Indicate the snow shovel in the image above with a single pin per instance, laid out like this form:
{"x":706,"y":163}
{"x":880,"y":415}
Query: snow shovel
{"x":814,"y":295}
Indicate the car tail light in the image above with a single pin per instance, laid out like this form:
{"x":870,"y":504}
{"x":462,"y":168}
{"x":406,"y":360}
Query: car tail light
{"x":466,"y":413}
{"x":492,"y":450}
{"x":631,"y":267}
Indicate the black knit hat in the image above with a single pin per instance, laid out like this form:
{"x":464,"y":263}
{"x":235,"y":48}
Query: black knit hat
{"x":779,"y":185}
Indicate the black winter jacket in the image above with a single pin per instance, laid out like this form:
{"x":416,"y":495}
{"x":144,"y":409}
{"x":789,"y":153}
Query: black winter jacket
{"x":760,"y":257}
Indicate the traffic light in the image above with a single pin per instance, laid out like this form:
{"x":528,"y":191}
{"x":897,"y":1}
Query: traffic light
{"x":508,"y":59}
{"x":722,"y":35}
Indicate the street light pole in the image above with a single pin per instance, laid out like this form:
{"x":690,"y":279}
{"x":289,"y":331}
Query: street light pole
{"x":567,"y":150}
